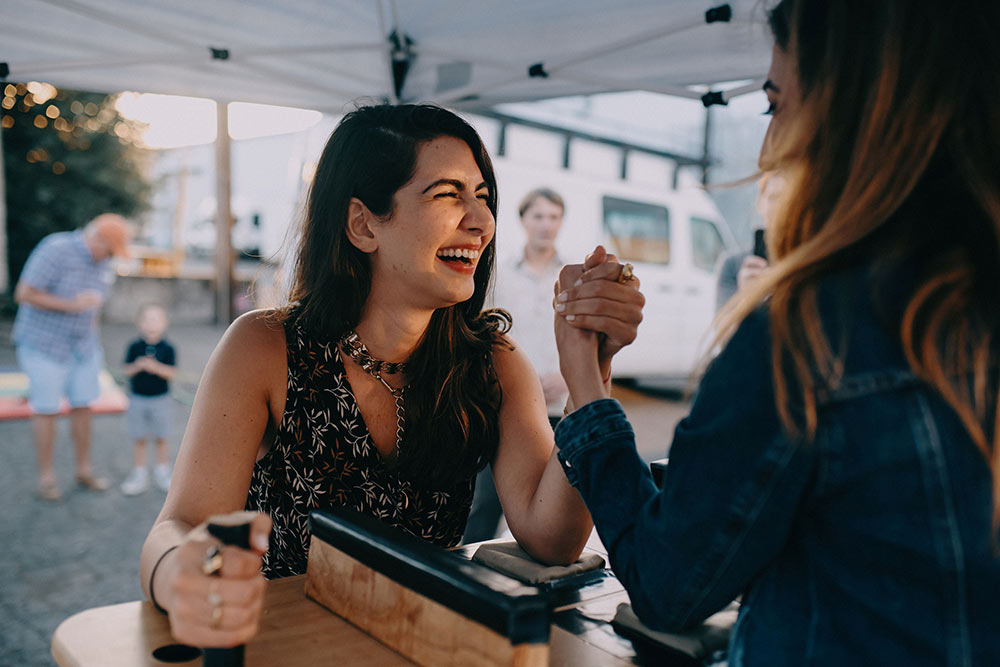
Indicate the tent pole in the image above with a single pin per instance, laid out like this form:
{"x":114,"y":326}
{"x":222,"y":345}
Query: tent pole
{"x":4,"y":267}
{"x":706,"y":145}
{"x":223,"y":220}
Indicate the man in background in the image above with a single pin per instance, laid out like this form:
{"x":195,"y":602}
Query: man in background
{"x":60,"y":292}
{"x":524,"y":289}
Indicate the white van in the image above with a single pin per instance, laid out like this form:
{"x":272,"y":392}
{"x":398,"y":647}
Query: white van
{"x":673,"y":238}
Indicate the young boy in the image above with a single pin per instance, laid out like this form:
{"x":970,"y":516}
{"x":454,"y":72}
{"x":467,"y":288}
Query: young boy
{"x":150,"y":363}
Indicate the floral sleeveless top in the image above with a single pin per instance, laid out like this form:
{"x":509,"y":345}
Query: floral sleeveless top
{"x":323,"y":456}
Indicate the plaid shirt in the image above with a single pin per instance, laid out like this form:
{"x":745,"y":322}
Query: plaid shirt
{"x":62,"y":266}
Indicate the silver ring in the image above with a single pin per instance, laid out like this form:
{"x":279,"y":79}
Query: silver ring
{"x":214,"y":598}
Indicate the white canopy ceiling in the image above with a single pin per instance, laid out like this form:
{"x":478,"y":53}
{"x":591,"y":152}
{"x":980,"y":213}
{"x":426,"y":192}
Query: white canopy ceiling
{"x":322,"y":54}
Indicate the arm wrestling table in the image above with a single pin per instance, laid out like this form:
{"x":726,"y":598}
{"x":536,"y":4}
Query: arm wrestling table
{"x":392,"y":601}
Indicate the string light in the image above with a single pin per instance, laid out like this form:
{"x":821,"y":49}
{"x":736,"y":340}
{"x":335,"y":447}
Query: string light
{"x":42,"y":92}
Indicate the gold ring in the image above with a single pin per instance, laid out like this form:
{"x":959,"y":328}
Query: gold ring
{"x":216,"y":617}
{"x":211,"y":562}
{"x":624,"y":273}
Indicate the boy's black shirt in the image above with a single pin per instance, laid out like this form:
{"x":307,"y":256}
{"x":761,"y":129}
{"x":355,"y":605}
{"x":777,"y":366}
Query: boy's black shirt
{"x":148,"y":384}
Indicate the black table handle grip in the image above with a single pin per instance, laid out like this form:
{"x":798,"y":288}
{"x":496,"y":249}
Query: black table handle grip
{"x":238,"y":536}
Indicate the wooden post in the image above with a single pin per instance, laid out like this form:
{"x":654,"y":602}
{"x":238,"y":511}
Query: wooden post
{"x":223,"y":220}
{"x":177,"y":235}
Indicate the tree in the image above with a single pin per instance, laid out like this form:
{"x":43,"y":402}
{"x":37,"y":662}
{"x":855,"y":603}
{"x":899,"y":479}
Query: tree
{"x":68,"y":157}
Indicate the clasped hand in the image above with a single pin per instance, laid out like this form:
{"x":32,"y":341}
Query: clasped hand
{"x":596,"y":316}
{"x":147,"y":363}
{"x":87,"y":299}
{"x":221,"y":606}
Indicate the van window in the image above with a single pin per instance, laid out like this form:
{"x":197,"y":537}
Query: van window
{"x":637,"y":232}
{"x":706,"y":243}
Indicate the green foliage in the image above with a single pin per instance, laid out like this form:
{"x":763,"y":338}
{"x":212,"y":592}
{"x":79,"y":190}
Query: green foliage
{"x":68,"y":158}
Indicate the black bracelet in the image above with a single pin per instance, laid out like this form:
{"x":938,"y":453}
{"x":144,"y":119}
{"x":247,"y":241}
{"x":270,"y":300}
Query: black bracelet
{"x":152,"y":595}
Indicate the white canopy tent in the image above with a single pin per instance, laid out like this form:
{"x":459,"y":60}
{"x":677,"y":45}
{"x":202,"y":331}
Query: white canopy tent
{"x":321,"y":54}
{"x":325,"y":54}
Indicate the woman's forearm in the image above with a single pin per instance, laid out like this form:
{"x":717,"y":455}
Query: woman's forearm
{"x":558,"y":523}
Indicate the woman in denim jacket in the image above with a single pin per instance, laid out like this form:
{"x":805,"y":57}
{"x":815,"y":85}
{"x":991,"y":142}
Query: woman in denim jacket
{"x":840,"y":465}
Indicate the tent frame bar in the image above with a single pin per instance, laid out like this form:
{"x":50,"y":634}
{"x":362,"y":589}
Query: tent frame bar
{"x":626,"y":147}
{"x":699,"y":18}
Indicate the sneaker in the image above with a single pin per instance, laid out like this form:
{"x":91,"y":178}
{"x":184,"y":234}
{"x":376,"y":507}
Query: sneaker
{"x":161,"y":475}
{"x":136,"y":482}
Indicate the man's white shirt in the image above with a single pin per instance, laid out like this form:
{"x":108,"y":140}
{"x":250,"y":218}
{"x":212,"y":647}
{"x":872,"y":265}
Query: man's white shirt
{"x":527,"y":296}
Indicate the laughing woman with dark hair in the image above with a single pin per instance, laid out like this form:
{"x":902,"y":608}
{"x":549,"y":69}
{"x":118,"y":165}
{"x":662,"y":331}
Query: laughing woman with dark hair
{"x":383,"y":386}
{"x":840,"y":467}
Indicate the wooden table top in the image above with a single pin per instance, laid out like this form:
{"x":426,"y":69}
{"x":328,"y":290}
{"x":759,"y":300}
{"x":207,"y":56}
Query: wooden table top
{"x":297,"y":631}
{"x":293,"y":631}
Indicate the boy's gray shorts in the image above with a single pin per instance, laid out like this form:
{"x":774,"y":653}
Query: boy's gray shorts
{"x":150,"y":416}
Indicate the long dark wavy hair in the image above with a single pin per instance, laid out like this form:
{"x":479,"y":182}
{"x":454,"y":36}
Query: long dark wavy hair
{"x":453,"y":396}
{"x":892,"y":160}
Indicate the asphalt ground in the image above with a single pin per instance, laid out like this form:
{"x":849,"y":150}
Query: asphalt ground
{"x":57,"y":559}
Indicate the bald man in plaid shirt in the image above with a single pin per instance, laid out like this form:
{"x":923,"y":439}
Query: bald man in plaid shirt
{"x":60,"y":292}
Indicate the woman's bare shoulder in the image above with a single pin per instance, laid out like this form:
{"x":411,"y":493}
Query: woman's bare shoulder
{"x":262,"y":326}
{"x":510,"y":362}
{"x":254,"y":340}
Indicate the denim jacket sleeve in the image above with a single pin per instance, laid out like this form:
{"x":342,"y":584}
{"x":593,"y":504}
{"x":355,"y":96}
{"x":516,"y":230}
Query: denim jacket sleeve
{"x":732,"y":487}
